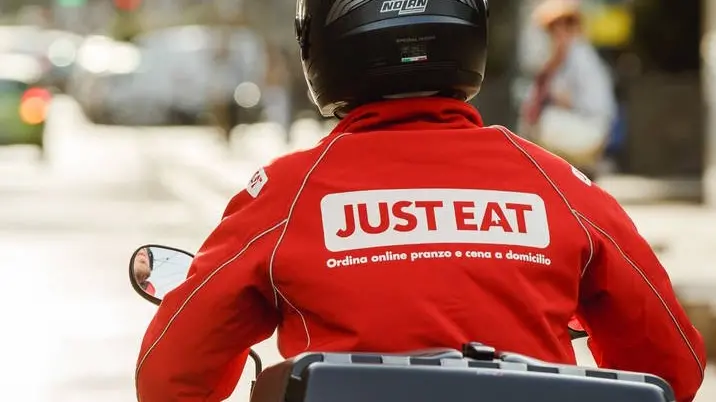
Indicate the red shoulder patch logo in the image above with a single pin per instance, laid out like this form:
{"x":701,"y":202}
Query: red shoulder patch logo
{"x":257,"y":182}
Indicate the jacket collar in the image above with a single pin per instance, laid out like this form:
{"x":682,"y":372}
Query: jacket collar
{"x":411,"y":114}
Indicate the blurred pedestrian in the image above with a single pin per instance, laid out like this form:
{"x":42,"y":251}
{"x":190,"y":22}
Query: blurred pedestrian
{"x":572,"y":106}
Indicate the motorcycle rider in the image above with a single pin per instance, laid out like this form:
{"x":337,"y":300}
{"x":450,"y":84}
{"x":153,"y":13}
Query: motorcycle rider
{"x":412,"y":226}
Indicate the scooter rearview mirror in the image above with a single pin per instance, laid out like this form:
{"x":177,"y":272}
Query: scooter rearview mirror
{"x":156,"y":270}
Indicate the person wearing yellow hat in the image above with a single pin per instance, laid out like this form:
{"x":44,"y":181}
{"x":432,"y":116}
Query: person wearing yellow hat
{"x":572,"y":105}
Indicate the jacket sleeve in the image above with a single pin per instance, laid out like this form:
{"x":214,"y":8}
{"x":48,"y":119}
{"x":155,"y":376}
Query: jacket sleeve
{"x":630,"y":310}
{"x":197,"y":344}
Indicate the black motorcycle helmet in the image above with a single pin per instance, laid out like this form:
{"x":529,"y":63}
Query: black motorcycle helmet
{"x":360,"y":51}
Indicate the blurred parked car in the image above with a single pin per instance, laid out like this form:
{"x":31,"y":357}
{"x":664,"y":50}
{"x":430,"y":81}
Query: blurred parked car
{"x":93,"y":81}
{"x":23,"y":103}
{"x":55,"y":50}
{"x":25,"y":40}
{"x":200,"y":74}
{"x":124,"y":103}
{"x":61,"y":48}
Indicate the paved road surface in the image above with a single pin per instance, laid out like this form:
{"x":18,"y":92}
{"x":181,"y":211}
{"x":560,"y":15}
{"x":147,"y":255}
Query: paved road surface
{"x":67,"y":230}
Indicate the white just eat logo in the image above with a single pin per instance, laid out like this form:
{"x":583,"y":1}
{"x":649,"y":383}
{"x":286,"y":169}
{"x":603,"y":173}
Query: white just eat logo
{"x":381,"y":218}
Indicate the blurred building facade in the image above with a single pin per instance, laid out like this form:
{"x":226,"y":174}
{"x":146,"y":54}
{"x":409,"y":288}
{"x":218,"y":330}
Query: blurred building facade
{"x":664,"y":90}
{"x":708,"y":51}
{"x":653,"y":47}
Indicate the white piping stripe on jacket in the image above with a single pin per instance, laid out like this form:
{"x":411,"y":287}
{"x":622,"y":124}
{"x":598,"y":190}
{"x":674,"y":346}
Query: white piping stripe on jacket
{"x":236,"y":256}
{"x":199,"y":287}
{"x":277,"y":292}
{"x":509,"y":135}
{"x":651,"y":286}
{"x":581,"y":217}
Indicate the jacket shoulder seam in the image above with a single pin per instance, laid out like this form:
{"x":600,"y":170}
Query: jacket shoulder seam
{"x":277,"y":292}
{"x":508,"y":135}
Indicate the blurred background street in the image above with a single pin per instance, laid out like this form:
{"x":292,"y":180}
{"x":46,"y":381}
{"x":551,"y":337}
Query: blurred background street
{"x":130,"y":122}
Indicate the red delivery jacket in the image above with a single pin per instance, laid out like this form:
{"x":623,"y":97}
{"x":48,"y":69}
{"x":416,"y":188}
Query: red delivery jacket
{"x":412,"y":226}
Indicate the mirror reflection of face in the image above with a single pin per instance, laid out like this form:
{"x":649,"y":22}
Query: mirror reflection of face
{"x":142,"y":265}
